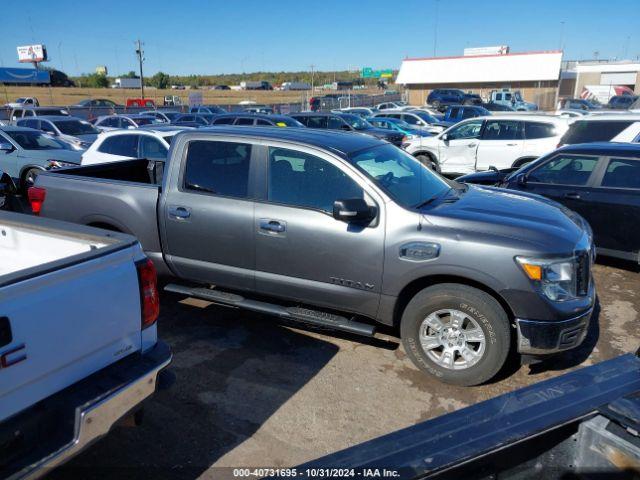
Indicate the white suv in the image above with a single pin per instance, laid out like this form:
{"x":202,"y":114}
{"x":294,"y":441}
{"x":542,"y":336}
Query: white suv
{"x":615,"y":127}
{"x":499,"y":141}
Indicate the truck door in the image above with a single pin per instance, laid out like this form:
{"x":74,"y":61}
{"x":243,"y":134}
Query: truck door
{"x":302,"y":251}
{"x":457,"y":154}
{"x":207,"y":214}
{"x":502,"y":143}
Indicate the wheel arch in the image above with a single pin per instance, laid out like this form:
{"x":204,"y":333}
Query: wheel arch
{"x":521,"y":160}
{"x":415,"y":286}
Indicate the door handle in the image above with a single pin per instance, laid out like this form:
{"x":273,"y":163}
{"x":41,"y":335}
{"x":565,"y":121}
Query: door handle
{"x":471,"y":145}
{"x":572,"y":195}
{"x":272,"y":226}
{"x":179,"y":212}
{"x":512,"y":144}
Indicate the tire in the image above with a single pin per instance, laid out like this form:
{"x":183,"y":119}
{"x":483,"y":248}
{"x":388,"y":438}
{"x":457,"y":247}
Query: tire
{"x":472,"y":309}
{"x":428,"y":161}
{"x":28,"y":179}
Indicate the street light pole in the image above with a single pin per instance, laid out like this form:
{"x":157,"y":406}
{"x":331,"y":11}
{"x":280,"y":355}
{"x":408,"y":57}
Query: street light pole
{"x":140,"y":54}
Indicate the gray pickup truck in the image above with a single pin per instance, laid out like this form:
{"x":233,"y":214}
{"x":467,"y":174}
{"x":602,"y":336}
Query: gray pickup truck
{"x":346,"y":231}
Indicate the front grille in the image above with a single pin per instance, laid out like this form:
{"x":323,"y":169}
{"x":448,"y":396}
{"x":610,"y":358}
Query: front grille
{"x":583,"y":273}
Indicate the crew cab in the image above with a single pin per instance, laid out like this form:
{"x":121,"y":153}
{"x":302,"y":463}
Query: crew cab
{"x":345,"y":231}
{"x":499,"y":141}
{"x":78,"y":341}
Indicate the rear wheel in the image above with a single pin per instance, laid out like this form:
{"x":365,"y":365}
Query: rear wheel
{"x":456,"y":333}
{"x":428,"y":161}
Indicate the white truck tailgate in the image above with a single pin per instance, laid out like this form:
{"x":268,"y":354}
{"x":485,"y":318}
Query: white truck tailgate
{"x":68,"y":323}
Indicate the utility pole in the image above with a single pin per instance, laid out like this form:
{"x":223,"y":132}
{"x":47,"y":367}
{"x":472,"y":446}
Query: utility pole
{"x":435,"y":31}
{"x":561,"y":47}
{"x":140,"y":54}
{"x":312,"y":67}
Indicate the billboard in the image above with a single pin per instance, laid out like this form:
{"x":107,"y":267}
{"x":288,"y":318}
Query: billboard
{"x":368,"y":72}
{"x":497,"y":50}
{"x":32,"y":54}
{"x":24,"y":75}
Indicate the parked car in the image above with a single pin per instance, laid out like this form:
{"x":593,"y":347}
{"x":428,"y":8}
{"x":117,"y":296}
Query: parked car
{"x":79,"y":350}
{"x":79,"y":133}
{"x":326,"y":222}
{"x":221,"y":87}
{"x":484,"y":142}
{"x":398,"y":126}
{"x":441,"y":98}
{"x":390,"y":105}
{"x":457,"y":113}
{"x":107,"y":123}
{"x":261,"y":120}
{"x":25,"y":152}
{"x":18,"y":113}
{"x":363,"y":112}
{"x":96,"y":103}
{"x":213,"y":109}
{"x":577,"y":425}
{"x":163,"y":116}
{"x":621,"y":102}
{"x":193,"y":119}
{"x":577,"y":104}
{"x":262,"y":109}
{"x":498,"y":107}
{"x":23,"y":102}
{"x":600,"y":181}
{"x":603,"y":128}
{"x":152,"y":144}
{"x":512,"y":99}
{"x":347,"y":122}
{"x":416,"y":118}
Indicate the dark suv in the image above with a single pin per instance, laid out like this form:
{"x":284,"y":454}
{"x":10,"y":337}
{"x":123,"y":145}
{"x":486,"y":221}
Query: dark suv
{"x":347,"y":122}
{"x":441,"y":98}
{"x":257,"y":119}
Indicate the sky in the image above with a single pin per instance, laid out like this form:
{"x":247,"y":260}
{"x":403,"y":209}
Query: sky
{"x":236,"y":36}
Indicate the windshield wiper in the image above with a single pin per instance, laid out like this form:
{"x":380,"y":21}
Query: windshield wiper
{"x":426,"y":202}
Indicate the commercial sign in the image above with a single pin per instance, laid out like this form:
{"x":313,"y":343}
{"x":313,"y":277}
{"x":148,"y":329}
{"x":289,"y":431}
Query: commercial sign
{"x":195,"y":99}
{"x":496,"y":50}
{"x":24,"y":75}
{"x":368,"y":72}
{"x":32,"y":54}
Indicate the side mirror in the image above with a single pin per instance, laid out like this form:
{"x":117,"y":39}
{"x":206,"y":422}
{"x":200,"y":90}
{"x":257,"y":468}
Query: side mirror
{"x":6,"y":147}
{"x":353,"y":210}
{"x":445,"y":137}
{"x":521,"y":179}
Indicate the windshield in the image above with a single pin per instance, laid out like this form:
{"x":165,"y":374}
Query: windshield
{"x":35,"y":140}
{"x":146,"y":121}
{"x":425,"y":116}
{"x":356,"y":122}
{"x":399,"y":174}
{"x":75,"y":127}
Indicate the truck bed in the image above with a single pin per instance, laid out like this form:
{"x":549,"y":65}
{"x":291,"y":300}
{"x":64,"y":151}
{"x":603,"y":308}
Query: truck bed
{"x":90,"y":195}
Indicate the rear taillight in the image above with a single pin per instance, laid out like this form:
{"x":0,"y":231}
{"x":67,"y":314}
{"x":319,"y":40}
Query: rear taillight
{"x":149,"y":297}
{"x":36,"y":198}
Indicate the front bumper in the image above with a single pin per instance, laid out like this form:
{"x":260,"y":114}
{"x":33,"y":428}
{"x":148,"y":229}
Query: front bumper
{"x":87,"y":410}
{"x":544,"y":338}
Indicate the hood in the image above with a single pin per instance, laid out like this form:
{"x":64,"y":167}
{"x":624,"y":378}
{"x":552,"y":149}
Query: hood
{"x":540,"y":223}
{"x":71,"y":156}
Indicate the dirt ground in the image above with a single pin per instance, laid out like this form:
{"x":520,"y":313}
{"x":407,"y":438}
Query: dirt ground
{"x":249,"y":392}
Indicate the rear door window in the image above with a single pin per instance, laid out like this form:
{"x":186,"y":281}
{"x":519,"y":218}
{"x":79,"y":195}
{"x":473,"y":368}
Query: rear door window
{"x":244,"y":121}
{"x":317,"y":122}
{"x":123,"y":145}
{"x":47,"y":127}
{"x":220,"y":168}
{"x":533,"y":130}
{"x":502,"y":130}
{"x":565,"y":170}
{"x":622,"y":173}
{"x":223,"y":121}
{"x":584,"y":131}
{"x":335,"y":123}
{"x":262,"y":122}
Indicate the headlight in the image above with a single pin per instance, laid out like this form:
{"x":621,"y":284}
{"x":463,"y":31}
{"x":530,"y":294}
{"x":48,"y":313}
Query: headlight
{"x":556,"y":278}
{"x":58,"y":164}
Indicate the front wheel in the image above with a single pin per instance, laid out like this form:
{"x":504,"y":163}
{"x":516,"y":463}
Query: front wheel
{"x":456,"y":333}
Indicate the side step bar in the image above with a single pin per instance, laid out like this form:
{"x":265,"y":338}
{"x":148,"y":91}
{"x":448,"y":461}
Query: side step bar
{"x":305,"y":315}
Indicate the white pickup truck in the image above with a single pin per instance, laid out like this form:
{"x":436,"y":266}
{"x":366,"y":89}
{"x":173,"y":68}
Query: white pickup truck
{"x":78,"y":341}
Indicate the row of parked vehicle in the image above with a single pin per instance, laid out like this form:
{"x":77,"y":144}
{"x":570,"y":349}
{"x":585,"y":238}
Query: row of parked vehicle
{"x":464,"y":274}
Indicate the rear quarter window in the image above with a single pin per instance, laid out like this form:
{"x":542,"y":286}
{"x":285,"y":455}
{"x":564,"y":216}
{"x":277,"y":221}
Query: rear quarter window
{"x":533,"y":130}
{"x":584,"y":131}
